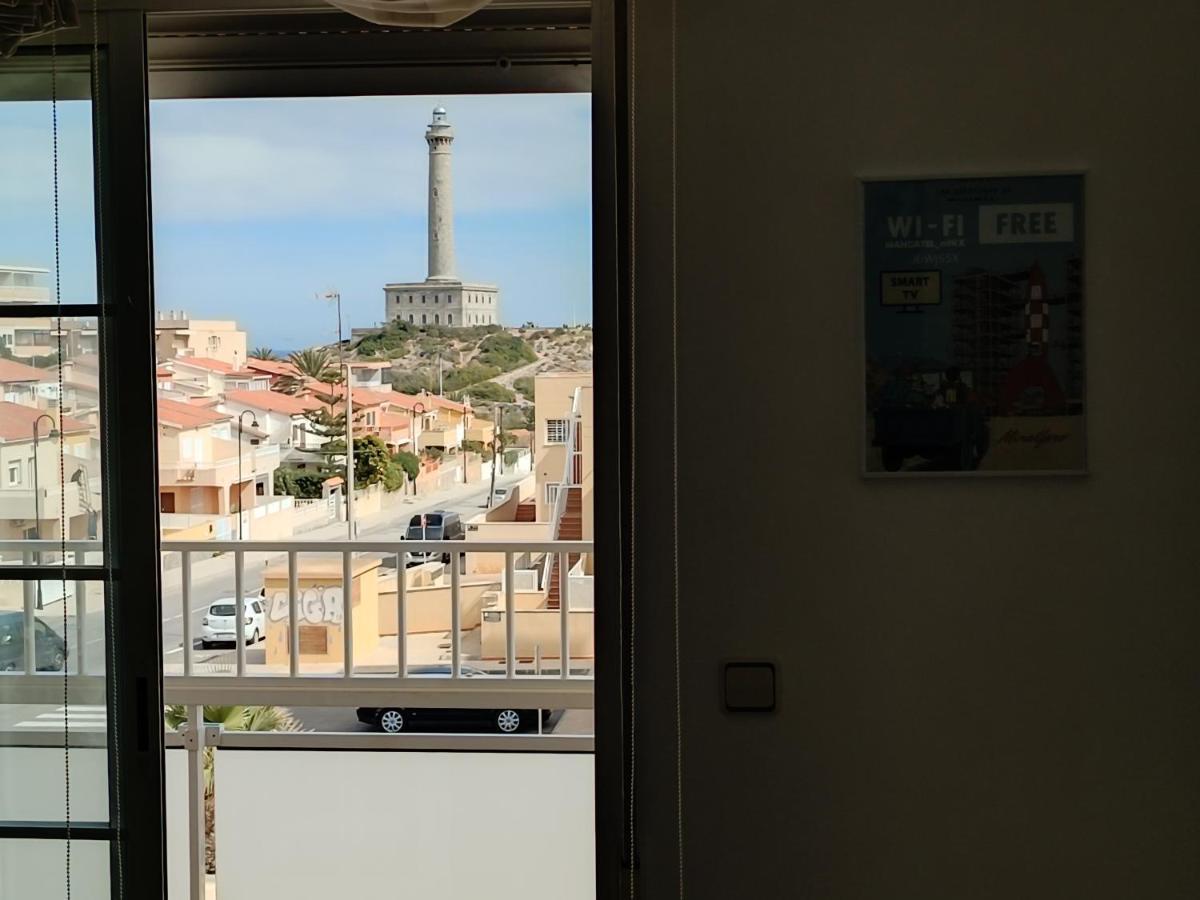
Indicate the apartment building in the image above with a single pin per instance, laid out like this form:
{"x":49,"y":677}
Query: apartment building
{"x":33,"y":500}
{"x":202,"y":376}
{"x":203,"y":467}
{"x":564,"y":432}
{"x":176,"y":334}
{"x":281,"y":417}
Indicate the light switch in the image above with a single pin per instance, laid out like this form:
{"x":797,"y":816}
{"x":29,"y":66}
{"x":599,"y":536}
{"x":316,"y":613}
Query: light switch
{"x":750,"y":687}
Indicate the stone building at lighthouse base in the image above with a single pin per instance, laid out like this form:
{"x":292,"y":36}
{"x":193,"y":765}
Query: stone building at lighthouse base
{"x":454,"y":303}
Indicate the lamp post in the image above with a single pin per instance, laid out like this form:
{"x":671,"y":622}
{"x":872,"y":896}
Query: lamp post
{"x":344,"y":367}
{"x":37,"y":493}
{"x":253,"y":424}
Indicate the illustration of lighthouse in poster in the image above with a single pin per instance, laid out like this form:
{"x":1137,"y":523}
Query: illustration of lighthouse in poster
{"x":974,"y":325}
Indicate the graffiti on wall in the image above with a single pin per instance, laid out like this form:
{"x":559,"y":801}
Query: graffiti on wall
{"x":316,"y":605}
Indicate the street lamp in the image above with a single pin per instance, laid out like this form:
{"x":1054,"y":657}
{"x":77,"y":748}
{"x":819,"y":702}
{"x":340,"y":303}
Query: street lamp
{"x":37,"y":494}
{"x":253,"y":424}
{"x":344,"y":367}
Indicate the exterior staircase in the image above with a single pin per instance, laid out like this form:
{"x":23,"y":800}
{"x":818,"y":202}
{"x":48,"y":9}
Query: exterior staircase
{"x":570,"y":528}
{"x":527,"y":511}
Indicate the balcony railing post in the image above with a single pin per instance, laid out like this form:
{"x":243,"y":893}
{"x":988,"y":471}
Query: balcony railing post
{"x":293,"y":604}
{"x":185,"y":594}
{"x":564,"y":612}
{"x":29,"y":596}
{"x":455,"y":616}
{"x":510,"y":617}
{"x":80,"y":626}
{"x":401,"y":615}
{"x":194,"y":742}
{"x":347,"y":613}
{"x":239,"y":609}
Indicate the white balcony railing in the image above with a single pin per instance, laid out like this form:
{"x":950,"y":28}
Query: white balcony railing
{"x":564,"y":687}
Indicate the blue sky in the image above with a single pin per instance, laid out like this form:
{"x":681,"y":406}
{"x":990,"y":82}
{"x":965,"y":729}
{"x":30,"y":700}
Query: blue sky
{"x":261,"y":204}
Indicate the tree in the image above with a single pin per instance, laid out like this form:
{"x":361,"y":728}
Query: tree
{"x":263,"y":353}
{"x":409,"y":463}
{"x":316,"y":363}
{"x":298,"y":482}
{"x":371,"y":460}
{"x":231,"y":718}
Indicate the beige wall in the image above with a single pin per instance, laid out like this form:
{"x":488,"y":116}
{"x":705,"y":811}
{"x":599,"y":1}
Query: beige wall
{"x":428,"y":606}
{"x":987,"y":686}
{"x":194,"y":340}
{"x":320,"y":584}
{"x":502,"y":531}
{"x":554,"y":394}
{"x":539,"y":630}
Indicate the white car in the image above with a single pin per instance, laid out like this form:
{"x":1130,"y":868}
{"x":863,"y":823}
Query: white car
{"x":217,"y":625}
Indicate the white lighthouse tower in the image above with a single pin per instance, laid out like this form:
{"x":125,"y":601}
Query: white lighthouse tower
{"x":439,"y":136}
{"x":442,"y":299}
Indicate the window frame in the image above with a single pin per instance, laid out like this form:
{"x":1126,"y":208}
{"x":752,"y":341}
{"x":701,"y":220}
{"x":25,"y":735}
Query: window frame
{"x":566,"y":432}
{"x":187,"y":53}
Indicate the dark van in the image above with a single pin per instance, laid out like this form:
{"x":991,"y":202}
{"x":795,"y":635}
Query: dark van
{"x":438,"y":525}
{"x":50,"y":650}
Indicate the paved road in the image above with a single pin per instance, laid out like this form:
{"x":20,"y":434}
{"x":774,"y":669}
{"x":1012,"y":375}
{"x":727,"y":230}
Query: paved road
{"x":218,"y":582}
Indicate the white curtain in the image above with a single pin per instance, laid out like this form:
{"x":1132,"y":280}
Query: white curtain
{"x":414,"y":13}
{"x":22,"y":19}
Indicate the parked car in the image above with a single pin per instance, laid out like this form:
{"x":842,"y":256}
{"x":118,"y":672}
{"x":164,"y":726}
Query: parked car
{"x":438,"y":525}
{"x":50,"y":649}
{"x":394,"y":719}
{"x":217,"y":625}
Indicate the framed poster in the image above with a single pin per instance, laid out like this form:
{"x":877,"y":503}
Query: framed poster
{"x":973,"y":291}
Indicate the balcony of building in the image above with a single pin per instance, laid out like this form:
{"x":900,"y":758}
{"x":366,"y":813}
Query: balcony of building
{"x":354,"y":810}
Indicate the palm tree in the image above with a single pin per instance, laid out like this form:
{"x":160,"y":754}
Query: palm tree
{"x":263,"y":353}
{"x":316,"y":363}
{"x":231,"y":718}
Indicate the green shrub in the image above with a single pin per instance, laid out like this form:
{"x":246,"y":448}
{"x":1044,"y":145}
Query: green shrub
{"x":489,"y":392}
{"x":298,"y":483}
{"x":505,"y":351}
{"x":524,"y":384}
{"x":391,"y":340}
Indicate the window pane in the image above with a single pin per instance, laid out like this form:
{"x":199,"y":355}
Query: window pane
{"x":50,"y":480}
{"x":36,"y":869}
{"x":50,"y":431}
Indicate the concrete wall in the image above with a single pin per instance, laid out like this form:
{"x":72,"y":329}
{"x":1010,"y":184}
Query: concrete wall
{"x":987,"y":687}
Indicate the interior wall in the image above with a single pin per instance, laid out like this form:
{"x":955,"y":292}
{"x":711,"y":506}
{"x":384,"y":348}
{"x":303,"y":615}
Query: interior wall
{"x":988,"y":686}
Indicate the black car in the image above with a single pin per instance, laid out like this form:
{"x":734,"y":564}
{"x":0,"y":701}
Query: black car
{"x":50,"y":650}
{"x":438,"y":525}
{"x":394,"y":719}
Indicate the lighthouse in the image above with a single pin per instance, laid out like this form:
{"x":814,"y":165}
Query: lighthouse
{"x":443,"y":298}
{"x":440,"y":136}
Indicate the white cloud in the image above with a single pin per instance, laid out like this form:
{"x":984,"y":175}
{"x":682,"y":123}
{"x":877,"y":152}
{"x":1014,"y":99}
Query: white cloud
{"x":362,"y":157}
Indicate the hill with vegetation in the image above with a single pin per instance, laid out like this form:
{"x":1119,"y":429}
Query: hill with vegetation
{"x":489,"y":363}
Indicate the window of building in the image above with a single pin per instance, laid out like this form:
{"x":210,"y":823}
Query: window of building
{"x":422,"y":298}
{"x":556,"y":431}
{"x":14,"y":472}
{"x":437,"y":319}
{"x":552,"y":489}
{"x":410,"y":317}
{"x":423,"y":319}
{"x":449,"y":318}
